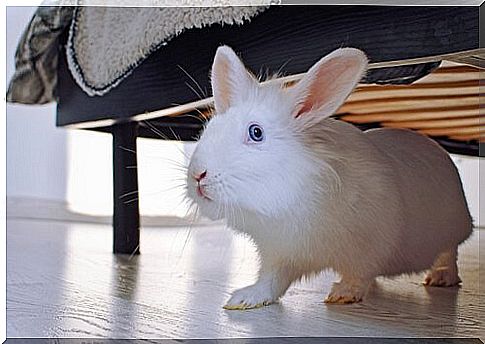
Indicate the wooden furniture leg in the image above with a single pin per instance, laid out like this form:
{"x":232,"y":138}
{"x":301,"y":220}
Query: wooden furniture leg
{"x":126,"y":217}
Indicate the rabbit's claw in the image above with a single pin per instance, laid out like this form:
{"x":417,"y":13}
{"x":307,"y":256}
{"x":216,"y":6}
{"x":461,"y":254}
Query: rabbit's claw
{"x":254,"y":296}
{"x":345,"y":293}
{"x":442,"y":277}
{"x":444,"y":272}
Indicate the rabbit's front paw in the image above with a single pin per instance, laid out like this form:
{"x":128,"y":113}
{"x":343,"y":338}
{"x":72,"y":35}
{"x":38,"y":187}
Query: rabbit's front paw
{"x":344,"y":293}
{"x":254,"y":296}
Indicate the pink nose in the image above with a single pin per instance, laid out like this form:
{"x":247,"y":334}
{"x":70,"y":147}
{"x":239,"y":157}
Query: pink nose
{"x":200,"y":176}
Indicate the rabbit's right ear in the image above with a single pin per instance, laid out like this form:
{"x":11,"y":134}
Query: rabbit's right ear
{"x":230,"y":79}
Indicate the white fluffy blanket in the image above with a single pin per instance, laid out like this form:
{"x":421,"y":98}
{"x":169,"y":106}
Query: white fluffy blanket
{"x":107,"y":43}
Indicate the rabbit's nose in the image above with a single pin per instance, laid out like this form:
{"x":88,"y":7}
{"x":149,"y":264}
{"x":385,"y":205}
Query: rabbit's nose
{"x":200,"y":176}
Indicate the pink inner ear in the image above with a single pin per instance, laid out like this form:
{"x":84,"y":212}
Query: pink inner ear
{"x":305,"y":107}
{"x":221,"y":84}
{"x":328,"y":83}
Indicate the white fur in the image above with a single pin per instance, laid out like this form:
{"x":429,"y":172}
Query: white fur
{"x":319,"y":193}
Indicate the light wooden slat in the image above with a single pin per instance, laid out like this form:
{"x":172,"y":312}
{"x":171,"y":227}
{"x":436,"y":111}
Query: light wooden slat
{"x":472,"y":130}
{"x":415,"y":114}
{"x":423,"y":85}
{"x":431,"y":78}
{"x":409,"y":103}
{"x":455,"y":70}
{"x":410,"y":91}
{"x":440,"y":123}
{"x":468,"y":137}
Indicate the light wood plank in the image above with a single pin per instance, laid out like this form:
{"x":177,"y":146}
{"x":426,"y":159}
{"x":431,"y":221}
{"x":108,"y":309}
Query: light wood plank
{"x":408,"y":103}
{"x":440,"y":123}
{"x":415,"y":114}
{"x":455,"y":70}
{"x":443,"y":78}
{"x":383,"y":92}
{"x":471,"y":130}
{"x":468,"y":137}
{"x":418,"y":85}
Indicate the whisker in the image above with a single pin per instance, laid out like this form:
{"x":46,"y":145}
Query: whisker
{"x":177,"y":170}
{"x":134,"y":252}
{"x":155,"y":130}
{"x":127,"y":149}
{"x":195,"y":81}
{"x":177,"y":163}
{"x":187,"y":237}
{"x":158,"y":157}
{"x":164,"y":137}
{"x":173,"y":187}
{"x":203,"y":115}
{"x":176,"y":136}
{"x":128,"y":194}
{"x":130,"y":201}
{"x":180,"y":203}
{"x":180,"y":169}
{"x":193,"y":90}
{"x":278,"y":72}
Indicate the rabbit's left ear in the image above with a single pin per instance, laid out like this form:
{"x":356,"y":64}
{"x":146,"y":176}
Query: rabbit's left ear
{"x":328,"y":83}
{"x":230,"y":79}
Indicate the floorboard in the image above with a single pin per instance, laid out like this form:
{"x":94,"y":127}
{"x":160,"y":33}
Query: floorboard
{"x":63,"y":281}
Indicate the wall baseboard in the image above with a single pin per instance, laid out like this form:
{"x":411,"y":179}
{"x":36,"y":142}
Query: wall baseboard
{"x":54,"y":210}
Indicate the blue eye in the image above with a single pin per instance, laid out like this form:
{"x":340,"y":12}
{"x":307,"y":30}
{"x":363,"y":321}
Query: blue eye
{"x":256,"y":133}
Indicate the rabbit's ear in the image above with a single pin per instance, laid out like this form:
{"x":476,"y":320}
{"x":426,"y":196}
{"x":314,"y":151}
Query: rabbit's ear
{"x":230,"y":79}
{"x":328,"y":83}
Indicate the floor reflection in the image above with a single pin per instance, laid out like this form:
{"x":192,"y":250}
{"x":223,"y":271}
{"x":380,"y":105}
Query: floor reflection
{"x":125,"y":276}
{"x":124,"y":310}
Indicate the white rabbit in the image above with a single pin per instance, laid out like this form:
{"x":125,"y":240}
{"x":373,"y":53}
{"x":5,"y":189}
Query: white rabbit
{"x":316,"y":193}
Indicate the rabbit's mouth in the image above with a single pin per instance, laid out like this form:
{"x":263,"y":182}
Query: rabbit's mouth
{"x":201,"y":193}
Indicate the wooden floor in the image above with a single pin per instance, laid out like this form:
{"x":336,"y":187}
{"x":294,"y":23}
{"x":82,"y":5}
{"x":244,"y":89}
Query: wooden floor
{"x":62,"y":280}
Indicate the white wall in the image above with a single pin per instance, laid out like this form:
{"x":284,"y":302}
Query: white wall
{"x":75,"y":166}
{"x":36,"y":149}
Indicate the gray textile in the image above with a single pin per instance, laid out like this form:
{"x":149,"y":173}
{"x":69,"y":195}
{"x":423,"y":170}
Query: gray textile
{"x":35,"y":77}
